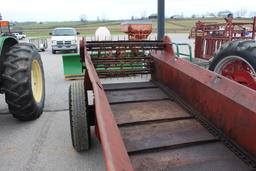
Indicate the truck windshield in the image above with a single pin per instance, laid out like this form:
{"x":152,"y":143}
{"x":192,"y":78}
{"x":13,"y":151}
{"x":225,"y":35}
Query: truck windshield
{"x":64,"y":32}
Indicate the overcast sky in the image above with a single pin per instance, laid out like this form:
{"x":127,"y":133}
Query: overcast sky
{"x":67,"y":10}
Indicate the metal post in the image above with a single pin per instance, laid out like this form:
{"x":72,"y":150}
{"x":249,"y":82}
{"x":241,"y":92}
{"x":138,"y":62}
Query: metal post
{"x":254,"y":27}
{"x":161,"y":19}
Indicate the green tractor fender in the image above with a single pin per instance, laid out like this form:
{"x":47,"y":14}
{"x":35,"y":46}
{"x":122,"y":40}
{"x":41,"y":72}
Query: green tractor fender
{"x":5,"y":43}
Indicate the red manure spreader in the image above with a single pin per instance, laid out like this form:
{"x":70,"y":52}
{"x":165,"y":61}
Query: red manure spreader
{"x":184,"y":117}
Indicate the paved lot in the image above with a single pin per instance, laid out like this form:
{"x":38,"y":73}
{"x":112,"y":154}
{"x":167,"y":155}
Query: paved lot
{"x":45,"y":144}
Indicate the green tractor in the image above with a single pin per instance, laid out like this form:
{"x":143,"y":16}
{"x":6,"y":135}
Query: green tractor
{"x":21,"y":76}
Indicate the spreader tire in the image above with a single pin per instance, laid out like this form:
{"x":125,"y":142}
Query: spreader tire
{"x":23,"y":82}
{"x":79,"y":125}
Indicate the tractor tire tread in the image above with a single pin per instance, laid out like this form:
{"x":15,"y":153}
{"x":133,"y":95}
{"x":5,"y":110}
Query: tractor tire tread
{"x":243,"y":48}
{"x":17,"y":82}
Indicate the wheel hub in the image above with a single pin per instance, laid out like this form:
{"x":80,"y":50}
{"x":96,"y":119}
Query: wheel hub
{"x":237,"y":69}
{"x":36,"y":81}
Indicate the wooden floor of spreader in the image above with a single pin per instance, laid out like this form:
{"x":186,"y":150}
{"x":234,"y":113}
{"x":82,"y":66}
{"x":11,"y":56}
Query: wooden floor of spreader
{"x":160,"y":135}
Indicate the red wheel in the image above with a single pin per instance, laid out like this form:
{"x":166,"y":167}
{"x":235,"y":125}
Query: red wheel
{"x":237,"y":61}
{"x":237,"y":69}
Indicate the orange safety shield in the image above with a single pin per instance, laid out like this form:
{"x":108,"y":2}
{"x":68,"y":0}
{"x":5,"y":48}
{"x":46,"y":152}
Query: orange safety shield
{"x":4,"y":23}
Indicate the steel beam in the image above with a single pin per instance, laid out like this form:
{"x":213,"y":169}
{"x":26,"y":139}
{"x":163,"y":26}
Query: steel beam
{"x":161,"y":19}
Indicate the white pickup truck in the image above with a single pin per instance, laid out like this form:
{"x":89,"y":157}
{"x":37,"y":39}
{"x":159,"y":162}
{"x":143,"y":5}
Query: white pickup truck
{"x":64,"y":39}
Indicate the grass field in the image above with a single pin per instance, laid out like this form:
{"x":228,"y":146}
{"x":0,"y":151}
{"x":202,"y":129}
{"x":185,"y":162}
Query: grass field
{"x":172,"y":26}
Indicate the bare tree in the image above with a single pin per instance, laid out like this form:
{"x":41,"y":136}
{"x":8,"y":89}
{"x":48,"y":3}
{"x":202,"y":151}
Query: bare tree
{"x":83,"y":18}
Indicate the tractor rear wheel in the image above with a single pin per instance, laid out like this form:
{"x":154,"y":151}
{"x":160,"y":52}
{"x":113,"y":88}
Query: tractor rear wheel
{"x":79,"y":119}
{"x":237,"y":61}
{"x":23,"y":82}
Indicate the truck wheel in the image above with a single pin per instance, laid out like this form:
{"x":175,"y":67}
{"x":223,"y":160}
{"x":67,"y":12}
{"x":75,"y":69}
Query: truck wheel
{"x":79,"y":124}
{"x":237,"y":61}
{"x":23,"y":82}
{"x":53,"y":52}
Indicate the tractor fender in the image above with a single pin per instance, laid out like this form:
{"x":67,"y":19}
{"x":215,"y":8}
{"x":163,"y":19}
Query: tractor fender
{"x":5,"y":43}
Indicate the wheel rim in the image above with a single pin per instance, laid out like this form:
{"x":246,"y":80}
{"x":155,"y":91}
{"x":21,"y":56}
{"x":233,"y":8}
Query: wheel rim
{"x":237,"y":69}
{"x":36,"y":81}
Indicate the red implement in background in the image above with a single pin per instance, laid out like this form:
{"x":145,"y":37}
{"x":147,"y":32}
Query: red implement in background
{"x":137,"y":30}
{"x":210,"y":36}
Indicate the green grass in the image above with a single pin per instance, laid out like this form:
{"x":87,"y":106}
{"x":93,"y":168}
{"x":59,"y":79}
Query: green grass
{"x":42,"y":30}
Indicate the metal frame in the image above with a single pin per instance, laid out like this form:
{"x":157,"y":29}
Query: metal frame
{"x":122,"y":58}
{"x":114,"y":151}
{"x":210,"y":36}
{"x":218,"y":98}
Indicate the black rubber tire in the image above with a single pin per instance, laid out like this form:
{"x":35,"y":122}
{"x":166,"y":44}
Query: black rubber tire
{"x":245,"y":49}
{"x":17,"y":83}
{"x":75,"y":51}
{"x":32,"y":46}
{"x":53,"y":52}
{"x":79,"y":124}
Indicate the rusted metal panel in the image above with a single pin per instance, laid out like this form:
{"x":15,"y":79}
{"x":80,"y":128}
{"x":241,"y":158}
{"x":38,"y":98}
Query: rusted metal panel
{"x":166,"y":134}
{"x":147,"y":111}
{"x":114,"y":151}
{"x":228,"y":105}
{"x":212,"y":156}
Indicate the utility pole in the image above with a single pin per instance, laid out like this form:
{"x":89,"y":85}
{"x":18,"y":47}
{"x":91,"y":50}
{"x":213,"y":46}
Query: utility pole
{"x":160,"y":19}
